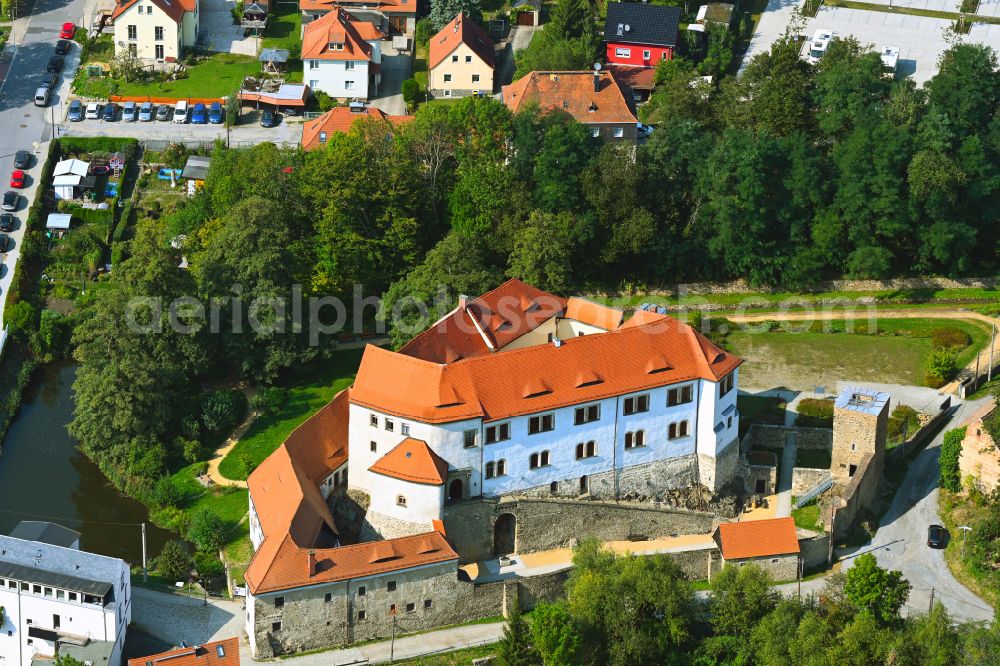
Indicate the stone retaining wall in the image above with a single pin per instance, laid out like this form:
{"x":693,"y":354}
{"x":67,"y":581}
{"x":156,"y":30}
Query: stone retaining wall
{"x":773,"y":436}
{"x":804,"y":478}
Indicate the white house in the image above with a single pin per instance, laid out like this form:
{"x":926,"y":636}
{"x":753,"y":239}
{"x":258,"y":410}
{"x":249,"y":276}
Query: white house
{"x":70,"y":177}
{"x":57,"y":596}
{"x":342,"y":56}
{"x":157,"y":30}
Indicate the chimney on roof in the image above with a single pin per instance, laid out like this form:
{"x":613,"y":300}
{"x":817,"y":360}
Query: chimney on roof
{"x":312,"y":563}
{"x":597,"y":82}
{"x":557,"y":342}
{"x":463,"y":301}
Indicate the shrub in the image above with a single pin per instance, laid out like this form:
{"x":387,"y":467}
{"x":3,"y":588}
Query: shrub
{"x":815,"y":412}
{"x":165,"y":493}
{"x":211,"y":572}
{"x":950,"y":338}
{"x":207,"y":531}
{"x":269,"y":400}
{"x":222,"y":410}
{"x":189,"y":448}
{"x":423,"y":31}
{"x":248,"y":464}
{"x":940,"y":366}
{"x":173,"y":562}
{"x":411,"y":92}
{"x":323,"y":101}
{"x":902,"y":423}
{"x":951,"y":448}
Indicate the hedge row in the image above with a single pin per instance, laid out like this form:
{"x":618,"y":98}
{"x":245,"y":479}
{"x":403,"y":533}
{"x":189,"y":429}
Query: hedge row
{"x":99,"y":144}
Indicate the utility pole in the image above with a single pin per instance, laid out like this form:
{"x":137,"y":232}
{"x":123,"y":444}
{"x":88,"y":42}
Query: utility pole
{"x":145,"y":571}
{"x":392,"y":644}
{"x":993,"y":339}
{"x":799,"y":571}
{"x":930,"y":606}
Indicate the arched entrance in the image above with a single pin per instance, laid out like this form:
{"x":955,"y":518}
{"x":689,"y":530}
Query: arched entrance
{"x":504,"y":531}
{"x":455,"y":490}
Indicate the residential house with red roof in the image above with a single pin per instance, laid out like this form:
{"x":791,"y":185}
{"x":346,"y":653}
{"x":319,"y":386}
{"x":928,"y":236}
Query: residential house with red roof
{"x":156,"y":30}
{"x":772,"y":544}
{"x":392,"y":17}
{"x":461,"y":60}
{"x":217,"y":653}
{"x":342,"y":56}
{"x":317,"y":132}
{"x":596,"y":99}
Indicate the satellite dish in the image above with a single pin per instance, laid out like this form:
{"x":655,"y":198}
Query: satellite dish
{"x":627,"y":27}
{"x":597,"y":66}
{"x":121,"y":44}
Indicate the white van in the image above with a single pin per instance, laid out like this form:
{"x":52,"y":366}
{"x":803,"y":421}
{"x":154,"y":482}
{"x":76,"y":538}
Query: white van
{"x":181,"y":112}
{"x":42,"y":96}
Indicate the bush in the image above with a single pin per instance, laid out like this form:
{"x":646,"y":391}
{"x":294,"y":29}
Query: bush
{"x":207,"y":531}
{"x":940,"y":366}
{"x":99,"y":144}
{"x":324,"y":101}
{"x":951,"y":448}
{"x":248,"y":464}
{"x":902,"y":423}
{"x":423,"y":31}
{"x":173,"y":562}
{"x":411,"y":92}
{"x":189,"y":448}
{"x":269,"y":400}
{"x":950,"y":338}
{"x":815,"y":412}
{"x":165,"y":493}
{"x":211,"y":572}
{"x":222,"y":410}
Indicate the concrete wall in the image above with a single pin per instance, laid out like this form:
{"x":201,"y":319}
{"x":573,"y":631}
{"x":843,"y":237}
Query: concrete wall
{"x":543,"y":524}
{"x":781,"y":567}
{"x":804,"y":478}
{"x":980,"y":457}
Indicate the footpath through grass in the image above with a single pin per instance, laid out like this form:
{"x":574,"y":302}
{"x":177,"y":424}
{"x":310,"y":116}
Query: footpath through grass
{"x":307,"y":392}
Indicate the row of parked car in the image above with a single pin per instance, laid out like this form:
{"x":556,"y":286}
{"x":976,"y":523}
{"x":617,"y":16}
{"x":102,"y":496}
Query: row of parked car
{"x":180,"y":113}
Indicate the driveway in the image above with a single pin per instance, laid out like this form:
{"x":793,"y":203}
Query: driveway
{"x":217,"y":33}
{"x":395,"y":69}
{"x":520,"y":37}
{"x":900,"y":542}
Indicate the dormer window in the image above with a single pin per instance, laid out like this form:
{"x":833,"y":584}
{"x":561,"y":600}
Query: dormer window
{"x":336,"y":46}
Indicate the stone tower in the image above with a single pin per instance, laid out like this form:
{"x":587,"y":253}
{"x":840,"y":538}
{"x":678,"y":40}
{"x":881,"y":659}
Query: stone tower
{"x":860,"y":420}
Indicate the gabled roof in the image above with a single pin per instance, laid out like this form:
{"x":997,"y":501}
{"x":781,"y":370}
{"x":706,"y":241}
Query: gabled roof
{"x":218,"y":653}
{"x":461,"y":30}
{"x":384,"y":6}
{"x":572,"y":92}
{"x":340,"y":119}
{"x":641,"y":23}
{"x":757,"y":538}
{"x":412,"y":460}
{"x":338,"y":27}
{"x":174,"y":9}
{"x":595,"y":314}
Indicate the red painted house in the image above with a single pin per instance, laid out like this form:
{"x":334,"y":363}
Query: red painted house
{"x":640,"y":34}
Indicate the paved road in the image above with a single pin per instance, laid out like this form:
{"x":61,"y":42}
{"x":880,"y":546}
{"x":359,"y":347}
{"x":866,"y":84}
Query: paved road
{"x":23,"y":124}
{"x":900,"y":542}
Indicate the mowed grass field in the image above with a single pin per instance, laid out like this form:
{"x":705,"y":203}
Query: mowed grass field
{"x":806,"y":360}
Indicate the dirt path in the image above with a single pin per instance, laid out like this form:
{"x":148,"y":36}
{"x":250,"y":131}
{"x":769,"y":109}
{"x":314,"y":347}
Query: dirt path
{"x":223,"y":451}
{"x":982,"y":361}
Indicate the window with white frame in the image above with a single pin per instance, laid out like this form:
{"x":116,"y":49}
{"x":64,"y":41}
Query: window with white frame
{"x":635,"y":439}
{"x":595,"y":132}
{"x":587,"y":414}
{"x":541,"y":423}
{"x":404,"y":429}
{"x":540,"y":459}
{"x":314,"y":84}
{"x":373,"y":421}
{"x":158,"y":33}
{"x":348,"y":85}
{"x":401,"y":500}
{"x":497,"y":433}
{"x":447,"y":78}
{"x":389,"y":425}
{"x":495,"y":469}
{"x":635,"y":405}
{"x":314,"y":64}
{"x":619,"y":132}
{"x":646,"y":54}
{"x":133,"y":32}
{"x":623,"y":53}
{"x":679,"y":396}
{"x":586,"y":450}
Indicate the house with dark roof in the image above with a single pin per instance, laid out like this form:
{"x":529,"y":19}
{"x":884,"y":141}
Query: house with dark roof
{"x":461,"y":60}
{"x":640,"y":34}
{"x":156,"y":30}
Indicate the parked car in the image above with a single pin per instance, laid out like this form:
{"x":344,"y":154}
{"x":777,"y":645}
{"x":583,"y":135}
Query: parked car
{"x":22,"y":159}
{"x":10,"y":200}
{"x":290,"y":111}
{"x":75,"y":111}
{"x":181,"y":112}
{"x":146,"y":112}
{"x":55,"y":65}
{"x":215,"y":114}
{"x":7,"y":222}
{"x":937,"y":536}
{"x":49,"y":80}
{"x":17,"y":179}
{"x":129,"y":111}
{"x":644,"y":131}
{"x":199,"y":114}
{"x":93,"y":111}
{"x":110,"y":112}
{"x":42,"y":96}
{"x":5,"y":242}
{"x":68,"y":30}
{"x":63,"y":46}
{"x":163,"y":112}
{"x":267,"y":118}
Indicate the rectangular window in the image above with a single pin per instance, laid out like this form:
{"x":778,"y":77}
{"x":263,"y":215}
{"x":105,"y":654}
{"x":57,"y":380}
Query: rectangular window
{"x":133,"y":32}
{"x":454,"y":58}
{"x":646,"y":54}
{"x":37,"y":589}
{"x":447,"y":78}
{"x":361,"y":591}
{"x":276,"y":626}
{"x":314,"y":64}
{"x":411,"y":607}
{"x":623,"y":53}
{"x":48,"y":591}
{"x":72,"y":596}
{"x":328,"y":597}
{"x":279,"y":602}
{"x":60,"y":594}
{"x":427,"y":604}
{"x":158,"y":33}
{"x":404,"y":428}
{"x":636,"y":405}
{"x":595,"y":132}
{"x":475,"y":78}
{"x":314,"y":84}
{"x":587,"y":414}
{"x":498,"y":433}
{"x":349,"y":64}
{"x":373,"y":421}
{"x":468,"y":58}
{"x":679,"y":396}
{"x":349,"y":85}
{"x":158,"y":52}
{"x":619,"y":132}
{"x":391,"y":586}
{"x":361,"y":615}
{"x":726,"y":385}
{"x":541,"y":423}
{"x":469,"y":439}
{"x":374,"y":447}
{"x":401,"y":500}
{"x":389,"y":425}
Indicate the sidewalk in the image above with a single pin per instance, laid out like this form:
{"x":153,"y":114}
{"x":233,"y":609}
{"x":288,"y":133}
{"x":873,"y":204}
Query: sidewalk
{"x":407,"y":647}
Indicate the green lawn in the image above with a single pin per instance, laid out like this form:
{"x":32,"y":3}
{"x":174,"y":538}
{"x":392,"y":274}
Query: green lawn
{"x":214,"y":76}
{"x":308,"y":391}
{"x":910,"y":11}
{"x":812,"y":458}
{"x":807,"y":517}
{"x":284,"y":28}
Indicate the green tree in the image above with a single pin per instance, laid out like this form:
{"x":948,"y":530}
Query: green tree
{"x":222,"y":410}
{"x":875,"y":590}
{"x":514,"y":648}
{"x":543,"y":251}
{"x":863,"y":642}
{"x":555,"y":635}
{"x":549,"y":53}
{"x":929,"y":640}
{"x":443,"y":11}
{"x":207,"y":531}
{"x":772,"y":637}
{"x":741,"y":597}
{"x":173,"y":562}
{"x":571,"y":19}
{"x":966,"y":87}
{"x":165,"y":493}
{"x":940,"y":365}
{"x":951,"y":449}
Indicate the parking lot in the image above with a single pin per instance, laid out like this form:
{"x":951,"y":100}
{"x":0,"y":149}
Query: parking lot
{"x":249,"y":131}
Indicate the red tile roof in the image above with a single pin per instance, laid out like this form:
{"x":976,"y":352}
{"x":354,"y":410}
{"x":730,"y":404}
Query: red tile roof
{"x":412,"y":460}
{"x":572,"y":92}
{"x":638,"y":78}
{"x":340,"y":119}
{"x":173,"y":8}
{"x":208,"y":654}
{"x":757,"y":538}
{"x":502,"y":384}
{"x":338,"y":27}
{"x":461,"y":30}
{"x":595,"y":314}
{"x":386,"y":6}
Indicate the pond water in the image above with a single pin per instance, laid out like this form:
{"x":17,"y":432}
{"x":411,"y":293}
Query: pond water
{"x":44,"y":477}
